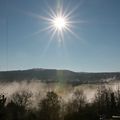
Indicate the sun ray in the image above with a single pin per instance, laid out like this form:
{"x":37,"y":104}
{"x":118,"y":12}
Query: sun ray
{"x":59,"y":21}
{"x":53,"y":33}
{"x":75,"y":35}
{"x":68,"y":14}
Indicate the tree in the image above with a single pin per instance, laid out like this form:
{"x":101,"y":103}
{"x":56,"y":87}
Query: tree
{"x":22,"y":98}
{"x":50,"y":107}
{"x":113,"y":104}
{"x":2,"y":107}
{"x":76,"y":106}
{"x":77,"y":102}
{"x":105,"y":102}
{"x":17,"y":107}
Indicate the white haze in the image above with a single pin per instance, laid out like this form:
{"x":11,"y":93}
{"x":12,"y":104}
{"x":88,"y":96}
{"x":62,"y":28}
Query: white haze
{"x":39,"y":89}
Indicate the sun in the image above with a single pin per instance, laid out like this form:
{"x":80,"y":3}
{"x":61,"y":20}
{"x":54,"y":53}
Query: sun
{"x":60,"y":23}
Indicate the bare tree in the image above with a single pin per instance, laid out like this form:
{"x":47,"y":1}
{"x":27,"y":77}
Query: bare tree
{"x":77,"y":102}
{"x":22,"y":98}
{"x":2,"y":107}
{"x":50,"y":107}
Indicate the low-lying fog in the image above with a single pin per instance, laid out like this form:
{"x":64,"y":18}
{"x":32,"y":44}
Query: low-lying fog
{"x":39,"y":89}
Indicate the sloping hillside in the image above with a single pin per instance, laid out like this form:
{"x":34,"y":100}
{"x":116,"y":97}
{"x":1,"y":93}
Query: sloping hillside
{"x":53,"y":75}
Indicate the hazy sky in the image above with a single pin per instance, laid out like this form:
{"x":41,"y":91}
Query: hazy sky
{"x":96,"y":47}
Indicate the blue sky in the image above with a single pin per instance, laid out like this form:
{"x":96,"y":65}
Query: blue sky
{"x":96,"y":48}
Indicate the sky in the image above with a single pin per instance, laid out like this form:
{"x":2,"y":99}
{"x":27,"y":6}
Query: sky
{"x":93,"y":45}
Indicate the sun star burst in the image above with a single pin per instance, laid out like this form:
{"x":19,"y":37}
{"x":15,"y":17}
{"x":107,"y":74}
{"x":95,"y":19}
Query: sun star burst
{"x":59,"y":22}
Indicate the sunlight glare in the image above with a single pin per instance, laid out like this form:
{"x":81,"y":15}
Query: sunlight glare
{"x":60,"y":23}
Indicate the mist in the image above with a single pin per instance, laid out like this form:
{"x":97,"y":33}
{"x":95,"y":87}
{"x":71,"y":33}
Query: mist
{"x":65,"y":91}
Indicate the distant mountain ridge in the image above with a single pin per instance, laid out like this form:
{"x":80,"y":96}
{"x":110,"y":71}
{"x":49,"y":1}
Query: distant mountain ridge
{"x":53,"y":75}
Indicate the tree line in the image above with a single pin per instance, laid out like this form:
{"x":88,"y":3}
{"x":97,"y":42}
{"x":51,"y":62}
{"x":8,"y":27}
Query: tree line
{"x":105,"y":104}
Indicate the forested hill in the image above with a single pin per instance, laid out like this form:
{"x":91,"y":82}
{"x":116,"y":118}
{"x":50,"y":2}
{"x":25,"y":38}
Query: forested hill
{"x":53,"y":75}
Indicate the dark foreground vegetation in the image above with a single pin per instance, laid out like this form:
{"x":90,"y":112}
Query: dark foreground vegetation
{"x":106,"y":103}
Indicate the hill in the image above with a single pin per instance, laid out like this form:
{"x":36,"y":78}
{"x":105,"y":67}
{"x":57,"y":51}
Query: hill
{"x":53,"y":75}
